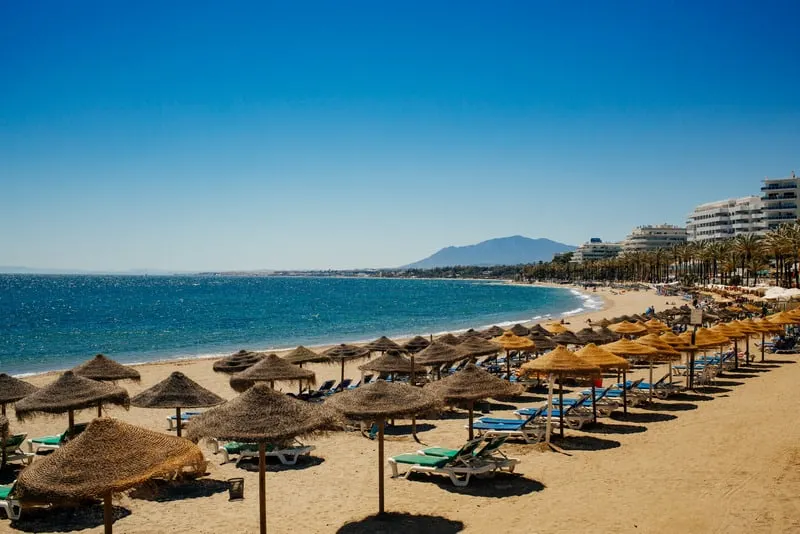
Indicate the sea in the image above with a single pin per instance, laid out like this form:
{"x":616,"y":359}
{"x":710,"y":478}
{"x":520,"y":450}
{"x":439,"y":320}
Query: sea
{"x":53,"y":322}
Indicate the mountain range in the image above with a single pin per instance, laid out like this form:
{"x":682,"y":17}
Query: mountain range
{"x":512,"y":250}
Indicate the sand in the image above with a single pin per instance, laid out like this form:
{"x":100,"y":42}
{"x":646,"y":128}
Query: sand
{"x":723,"y":459}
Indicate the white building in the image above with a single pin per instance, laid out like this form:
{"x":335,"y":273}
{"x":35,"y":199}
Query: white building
{"x":645,"y":238}
{"x":594,"y":250}
{"x":779,"y":196}
{"x":724,"y":219}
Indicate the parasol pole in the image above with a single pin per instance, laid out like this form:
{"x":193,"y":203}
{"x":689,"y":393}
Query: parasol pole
{"x":549,"y":426}
{"x":108,"y":513}
{"x":4,"y":408}
{"x":650,"y":389}
{"x":178,"y":420}
{"x":594,"y":404}
{"x":561,"y":405}
{"x":70,"y":421}
{"x":470,"y":420}
{"x":736,"y":354}
{"x":342,"y":378}
{"x":99,"y":409}
{"x":380,"y":466}
{"x":762,"y":345}
{"x":262,"y":486}
{"x":624,"y":392}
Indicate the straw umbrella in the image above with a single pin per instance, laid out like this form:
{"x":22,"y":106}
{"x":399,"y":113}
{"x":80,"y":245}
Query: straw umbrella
{"x":567,"y":338}
{"x":555,"y":328}
{"x":562,"y":363}
{"x":542,"y":343}
{"x":627,"y":328}
{"x":759,"y":327}
{"x":494,"y":331}
{"x":732,"y":333}
{"x":665,"y":353}
{"x":104,"y":369}
{"x":68,"y":394}
{"x":345,"y":353}
{"x":510,"y":341}
{"x":749,"y":330}
{"x":450,"y":339}
{"x":470,"y":384}
{"x":392,"y":362}
{"x":382,"y":344}
{"x":380,"y":401}
{"x":416,"y":344}
{"x":302,"y":355}
{"x":518,"y":330}
{"x":176,"y":391}
{"x":587,"y":335}
{"x":536,"y":329}
{"x":108,"y":457}
{"x":438,"y":353}
{"x":609,"y":334}
{"x":603,"y":359}
{"x":13,"y":389}
{"x":271,"y":369}
{"x":626,"y":348}
{"x":262,"y":415}
{"x":655,"y":326}
{"x":238,"y":362}
{"x":476,"y":347}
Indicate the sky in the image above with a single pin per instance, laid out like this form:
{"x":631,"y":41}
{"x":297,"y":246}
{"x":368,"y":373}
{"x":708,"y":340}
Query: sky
{"x":200,"y":136}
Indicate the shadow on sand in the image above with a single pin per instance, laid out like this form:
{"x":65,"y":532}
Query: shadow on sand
{"x":397,"y":523}
{"x":498,"y":486}
{"x":649,"y":417}
{"x":65,"y":519}
{"x":275,"y":466}
{"x":612,"y":428}
{"x":670,"y":407}
{"x":690,"y":397}
{"x":586,"y":443}
{"x":178,"y":490}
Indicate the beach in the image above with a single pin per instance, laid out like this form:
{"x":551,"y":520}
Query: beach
{"x":721,"y":460}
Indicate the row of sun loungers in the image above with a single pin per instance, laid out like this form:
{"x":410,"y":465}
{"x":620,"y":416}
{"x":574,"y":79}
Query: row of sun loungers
{"x":287,"y":454}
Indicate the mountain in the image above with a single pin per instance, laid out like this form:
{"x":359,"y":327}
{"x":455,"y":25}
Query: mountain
{"x":512,"y":250}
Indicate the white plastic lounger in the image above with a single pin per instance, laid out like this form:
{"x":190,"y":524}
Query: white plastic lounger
{"x":286,"y":455}
{"x":459,"y":467}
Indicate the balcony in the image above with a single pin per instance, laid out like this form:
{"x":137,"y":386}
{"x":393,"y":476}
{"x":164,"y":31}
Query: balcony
{"x":782,"y":217}
{"x":784,"y":196}
{"x":781,"y":206}
{"x":778,"y":187}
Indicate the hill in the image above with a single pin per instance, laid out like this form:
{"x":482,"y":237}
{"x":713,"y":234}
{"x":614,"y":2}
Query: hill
{"x":512,"y":250}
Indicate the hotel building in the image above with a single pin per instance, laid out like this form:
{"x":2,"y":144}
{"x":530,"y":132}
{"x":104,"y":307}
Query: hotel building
{"x":779,"y":196}
{"x":594,"y":250}
{"x":725,"y":219}
{"x":645,"y":238}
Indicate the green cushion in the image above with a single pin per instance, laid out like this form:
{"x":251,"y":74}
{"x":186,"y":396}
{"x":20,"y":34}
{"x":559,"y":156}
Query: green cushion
{"x":5,"y":491}
{"x":441,"y":452}
{"x":234,"y":447}
{"x":48,"y":440}
{"x":421,"y":459}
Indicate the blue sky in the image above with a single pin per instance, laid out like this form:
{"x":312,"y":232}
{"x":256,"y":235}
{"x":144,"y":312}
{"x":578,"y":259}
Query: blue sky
{"x":210,"y":136}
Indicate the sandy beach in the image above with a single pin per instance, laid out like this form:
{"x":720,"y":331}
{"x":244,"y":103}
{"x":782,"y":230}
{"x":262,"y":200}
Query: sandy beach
{"x":722,"y":459}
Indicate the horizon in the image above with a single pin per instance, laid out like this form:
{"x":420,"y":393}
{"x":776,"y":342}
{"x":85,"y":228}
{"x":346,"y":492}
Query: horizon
{"x":199,"y":138}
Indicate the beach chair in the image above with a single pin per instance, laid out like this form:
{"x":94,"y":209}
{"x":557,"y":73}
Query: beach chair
{"x":491,"y":452}
{"x":661,"y":389}
{"x":288,"y":455}
{"x":51,"y":443}
{"x":364,"y":381}
{"x":343,"y":385}
{"x":459,"y":466}
{"x":11,"y":506}
{"x":531,"y":430}
{"x":12,"y":447}
{"x":172,"y":420}
{"x":323,"y":389}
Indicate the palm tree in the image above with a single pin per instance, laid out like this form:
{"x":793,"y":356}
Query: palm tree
{"x":746,"y":247}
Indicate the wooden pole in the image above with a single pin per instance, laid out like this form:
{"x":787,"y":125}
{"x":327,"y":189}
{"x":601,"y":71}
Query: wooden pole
{"x":508,"y":366}
{"x":70,"y":422}
{"x":762,"y":349}
{"x":178,"y":420}
{"x":549,"y":426}
{"x":736,"y":354}
{"x":108,"y":513}
{"x":561,"y":405}
{"x":262,"y":486}
{"x":99,"y":409}
{"x":4,"y":408}
{"x":594,"y":405}
{"x":650,"y":390}
{"x":625,"y":392}
{"x":470,"y":420}
{"x":380,"y":466}
{"x":342,"y":378}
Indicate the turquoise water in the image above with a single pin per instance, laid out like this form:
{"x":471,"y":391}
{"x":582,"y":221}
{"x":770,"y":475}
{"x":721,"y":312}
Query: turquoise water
{"x":55,"y":322}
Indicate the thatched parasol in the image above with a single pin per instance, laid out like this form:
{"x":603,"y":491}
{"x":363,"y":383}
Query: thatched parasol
{"x":238,"y":362}
{"x":108,"y":457}
{"x":567,"y":338}
{"x":510,"y":341}
{"x":627,"y":328}
{"x":542,"y":343}
{"x":392,"y":362}
{"x":176,"y":391}
{"x":13,"y":389}
{"x":766,"y":327}
{"x":262,"y":415}
{"x":69,"y":393}
{"x":476,"y":346}
{"x":562,"y":363}
{"x":781,"y":318}
{"x":609,"y":334}
{"x":344,"y":353}
{"x":603,"y":359}
{"x":302,"y":355}
{"x":470,"y":384}
{"x":104,"y":369}
{"x":555,"y":328}
{"x":518,"y":330}
{"x":380,"y":401}
{"x":494,"y":331}
{"x":473,"y":334}
{"x":382,"y":344}
{"x":587,"y":335}
{"x":439,"y":353}
{"x":604,"y":323}
{"x":416,"y":344}
{"x":626,"y":348}
{"x":450,"y":339}
{"x":537,"y":329}
{"x":665,"y":353}
{"x":750,"y":328}
{"x":271,"y":369}
{"x":656,"y":326}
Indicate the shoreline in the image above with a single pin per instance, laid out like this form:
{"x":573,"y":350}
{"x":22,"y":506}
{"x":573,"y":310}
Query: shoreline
{"x":606,"y":302}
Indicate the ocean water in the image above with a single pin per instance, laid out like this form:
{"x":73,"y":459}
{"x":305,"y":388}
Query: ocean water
{"x":55,"y":322}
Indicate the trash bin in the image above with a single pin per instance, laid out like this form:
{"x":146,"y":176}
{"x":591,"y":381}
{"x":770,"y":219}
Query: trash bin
{"x":235,"y":489}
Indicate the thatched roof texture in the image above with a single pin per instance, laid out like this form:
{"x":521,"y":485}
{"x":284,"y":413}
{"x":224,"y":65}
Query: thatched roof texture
{"x":109,"y":456}
{"x":238,"y":362}
{"x":302,"y":355}
{"x":263,"y":415}
{"x":176,"y":391}
{"x":627,"y":328}
{"x":13,"y":389}
{"x":494,"y":331}
{"x":384,"y":400}
{"x":105,"y":369}
{"x":567,"y":338}
{"x":472,"y":383}
{"x":382,"y":344}
{"x":625,"y":347}
{"x":449,"y":339}
{"x":562,"y":362}
{"x":476,"y":346}
{"x":439,"y":353}
{"x":346,"y":352}
{"x":518,"y":330}
{"x":602,"y":358}
{"x":70,"y":392}
{"x":271,"y":369}
{"x":511,"y":341}
{"x":416,"y":344}
{"x":391,"y":362}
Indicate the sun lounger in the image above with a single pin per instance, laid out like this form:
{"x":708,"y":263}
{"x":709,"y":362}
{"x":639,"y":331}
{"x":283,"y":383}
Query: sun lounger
{"x":491,"y":452}
{"x":172,"y":420}
{"x":324,"y":389}
{"x":11,"y":506}
{"x":51,"y":443}
{"x":287,"y":455}
{"x":531,"y":429}
{"x":661,"y":389}
{"x":459,"y":468}
{"x":13,"y":450}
